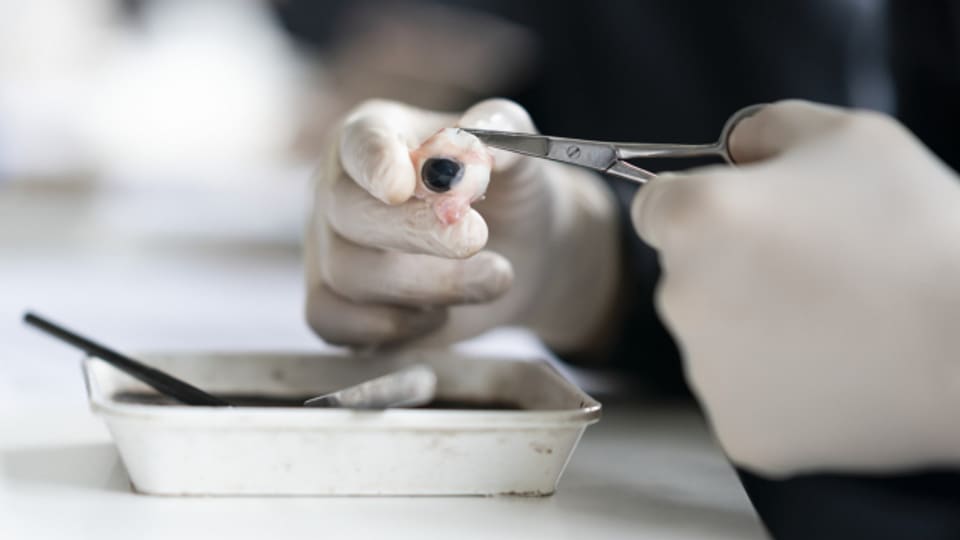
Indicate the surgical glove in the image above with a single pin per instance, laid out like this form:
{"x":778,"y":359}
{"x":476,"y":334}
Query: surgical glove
{"x":541,"y":249}
{"x":814,"y":292}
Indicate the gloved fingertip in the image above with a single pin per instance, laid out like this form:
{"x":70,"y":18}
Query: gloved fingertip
{"x":466,"y":237}
{"x":499,"y":114}
{"x":503,"y":160}
{"x":389,"y":174}
{"x":739,"y":142}
{"x":378,"y":160}
{"x":778,"y":127}
{"x":489,"y":275}
{"x":397,"y":191}
{"x":641,"y":209}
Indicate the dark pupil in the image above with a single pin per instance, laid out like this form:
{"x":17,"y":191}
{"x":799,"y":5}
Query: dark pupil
{"x":440,"y":174}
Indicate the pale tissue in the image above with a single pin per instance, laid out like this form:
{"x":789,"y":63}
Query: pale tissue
{"x":453,"y":170}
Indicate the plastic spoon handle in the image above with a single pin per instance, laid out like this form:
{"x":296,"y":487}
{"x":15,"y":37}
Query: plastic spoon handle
{"x":164,"y":383}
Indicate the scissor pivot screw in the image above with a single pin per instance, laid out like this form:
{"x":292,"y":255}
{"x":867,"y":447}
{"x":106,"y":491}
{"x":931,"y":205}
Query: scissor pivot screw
{"x":573,"y":152}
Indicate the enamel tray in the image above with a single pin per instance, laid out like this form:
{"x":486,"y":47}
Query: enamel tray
{"x":184,"y":450}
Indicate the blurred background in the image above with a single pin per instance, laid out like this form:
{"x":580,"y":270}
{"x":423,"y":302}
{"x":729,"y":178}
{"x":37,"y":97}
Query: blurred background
{"x":194,"y":121}
{"x":155,"y":155}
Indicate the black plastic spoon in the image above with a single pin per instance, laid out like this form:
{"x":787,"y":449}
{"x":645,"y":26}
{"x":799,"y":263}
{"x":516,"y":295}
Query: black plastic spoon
{"x":164,"y":383}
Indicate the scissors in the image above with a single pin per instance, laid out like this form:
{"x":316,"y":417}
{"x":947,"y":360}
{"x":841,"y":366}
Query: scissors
{"x":609,"y":157}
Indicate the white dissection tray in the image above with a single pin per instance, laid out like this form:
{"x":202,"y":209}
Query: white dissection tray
{"x":499,"y":426}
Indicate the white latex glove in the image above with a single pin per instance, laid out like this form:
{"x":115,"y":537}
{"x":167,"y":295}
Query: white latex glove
{"x":381,"y":267}
{"x":815,"y":292}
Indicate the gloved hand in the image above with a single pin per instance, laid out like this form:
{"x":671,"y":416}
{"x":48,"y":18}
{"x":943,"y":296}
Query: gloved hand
{"x":540,"y":250}
{"x":814,"y":291}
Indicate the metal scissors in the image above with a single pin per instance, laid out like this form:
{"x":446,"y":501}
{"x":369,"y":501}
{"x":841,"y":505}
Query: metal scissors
{"x":609,"y":157}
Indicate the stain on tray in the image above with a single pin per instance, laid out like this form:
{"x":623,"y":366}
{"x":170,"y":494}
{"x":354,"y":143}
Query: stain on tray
{"x":541,"y":448}
{"x":261,"y":400}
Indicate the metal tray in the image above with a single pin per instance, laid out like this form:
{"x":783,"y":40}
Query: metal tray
{"x":182,"y":450}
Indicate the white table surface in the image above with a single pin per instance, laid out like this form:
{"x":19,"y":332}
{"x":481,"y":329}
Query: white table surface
{"x":644,"y":471}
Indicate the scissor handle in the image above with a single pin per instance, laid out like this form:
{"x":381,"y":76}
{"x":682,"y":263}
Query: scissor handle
{"x":731,"y":124}
{"x":721,"y":148}
{"x":666,"y":150}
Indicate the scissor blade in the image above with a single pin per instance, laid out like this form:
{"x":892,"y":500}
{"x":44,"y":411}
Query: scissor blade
{"x":529,"y":144}
{"x":598,"y":156}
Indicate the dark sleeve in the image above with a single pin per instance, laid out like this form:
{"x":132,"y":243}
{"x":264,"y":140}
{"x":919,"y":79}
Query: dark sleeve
{"x":643,"y":347}
{"x":922,"y":505}
{"x":925,"y":62}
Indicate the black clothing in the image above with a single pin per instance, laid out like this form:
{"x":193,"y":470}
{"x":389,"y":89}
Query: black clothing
{"x":923,"y":505}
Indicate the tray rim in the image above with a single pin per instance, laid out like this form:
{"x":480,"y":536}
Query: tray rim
{"x":272,"y":418}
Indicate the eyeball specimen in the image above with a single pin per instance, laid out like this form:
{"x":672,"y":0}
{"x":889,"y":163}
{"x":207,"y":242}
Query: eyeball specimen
{"x":454,"y":169}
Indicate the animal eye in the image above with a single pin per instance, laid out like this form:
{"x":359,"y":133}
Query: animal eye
{"x":441,"y":174}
